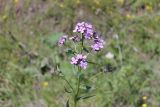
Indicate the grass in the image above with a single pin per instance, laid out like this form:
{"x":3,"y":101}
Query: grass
{"x":29,"y":55}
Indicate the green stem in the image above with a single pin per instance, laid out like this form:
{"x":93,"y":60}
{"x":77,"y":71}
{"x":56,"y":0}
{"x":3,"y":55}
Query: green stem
{"x":120,"y":53}
{"x":77,"y":93}
{"x":82,"y":43}
{"x":79,"y":70}
{"x":78,"y":87}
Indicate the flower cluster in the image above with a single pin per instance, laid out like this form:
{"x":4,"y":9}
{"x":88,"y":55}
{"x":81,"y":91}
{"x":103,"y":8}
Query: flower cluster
{"x":84,"y":28}
{"x":62,"y":40}
{"x":98,"y":44}
{"x":79,"y":60}
{"x":87,"y":33}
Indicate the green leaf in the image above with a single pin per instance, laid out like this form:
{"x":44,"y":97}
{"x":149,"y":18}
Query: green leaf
{"x":88,"y":88}
{"x":66,"y":90}
{"x":84,"y":97}
{"x":85,"y":49}
{"x":67,"y":104}
{"x":69,"y":51}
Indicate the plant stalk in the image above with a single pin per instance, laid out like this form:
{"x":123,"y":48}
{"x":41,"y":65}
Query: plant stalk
{"x":77,"y":92}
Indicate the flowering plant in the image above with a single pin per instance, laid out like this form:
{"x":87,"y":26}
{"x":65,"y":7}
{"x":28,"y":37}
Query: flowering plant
{"x":86,"y":40}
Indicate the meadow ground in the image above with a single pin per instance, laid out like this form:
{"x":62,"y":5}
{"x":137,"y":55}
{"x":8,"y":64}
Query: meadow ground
{"x":31,"y":61}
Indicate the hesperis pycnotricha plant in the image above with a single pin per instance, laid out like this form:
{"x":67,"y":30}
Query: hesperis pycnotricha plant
{"x":81,"y":45}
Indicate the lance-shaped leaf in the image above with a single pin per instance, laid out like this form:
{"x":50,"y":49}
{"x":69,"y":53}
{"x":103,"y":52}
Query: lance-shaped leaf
{"x":84,"y":97}
{"x":67,"y":104}
{"x":66,"y":90}
{"x":70,"y":51}
{"x":85,"y":49}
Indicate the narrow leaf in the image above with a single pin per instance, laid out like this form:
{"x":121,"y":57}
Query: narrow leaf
{"x":67,"y":104}
{"x":85,"y":49}
{"x":70,"y":51}
{"x":84,"y":97}
{"x":66,"y":90}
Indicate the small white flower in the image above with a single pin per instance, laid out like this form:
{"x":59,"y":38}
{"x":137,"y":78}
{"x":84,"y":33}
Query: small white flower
{"x":135,"y":49}
{"x":109,"y":55}
{"x":115,"y":36}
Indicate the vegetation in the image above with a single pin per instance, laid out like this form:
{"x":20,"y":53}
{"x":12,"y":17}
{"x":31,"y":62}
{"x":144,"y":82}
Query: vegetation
{"x":126,"y":73}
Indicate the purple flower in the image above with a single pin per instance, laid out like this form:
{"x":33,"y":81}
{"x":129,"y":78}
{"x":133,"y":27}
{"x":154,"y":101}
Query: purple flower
{"x":74,"y":61}
{"x":79,"y":60}
{"x":88,"y":33}
{"x":62,"y":40}
{"x":84,"y":28}
{"x":98,"y":44}
{"x":79,"y":27}
{"x":83,"y":64}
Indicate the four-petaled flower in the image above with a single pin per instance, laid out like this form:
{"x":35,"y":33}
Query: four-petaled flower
{"x":62,"y":40}
{"x":79,"y":60}
{"x":98,"y":44}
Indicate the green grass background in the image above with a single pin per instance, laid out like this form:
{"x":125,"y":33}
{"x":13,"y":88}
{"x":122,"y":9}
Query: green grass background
{"x":29,"y":30}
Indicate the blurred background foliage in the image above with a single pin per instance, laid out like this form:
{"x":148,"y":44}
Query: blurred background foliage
{"x":30,"y":60}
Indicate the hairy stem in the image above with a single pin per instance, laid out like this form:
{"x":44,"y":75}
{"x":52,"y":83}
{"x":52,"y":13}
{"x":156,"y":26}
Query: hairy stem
{"x":82,"y":42}
{"x":77,"y":90}
{"x":79,"y":70}
{"x":77,"y":93}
